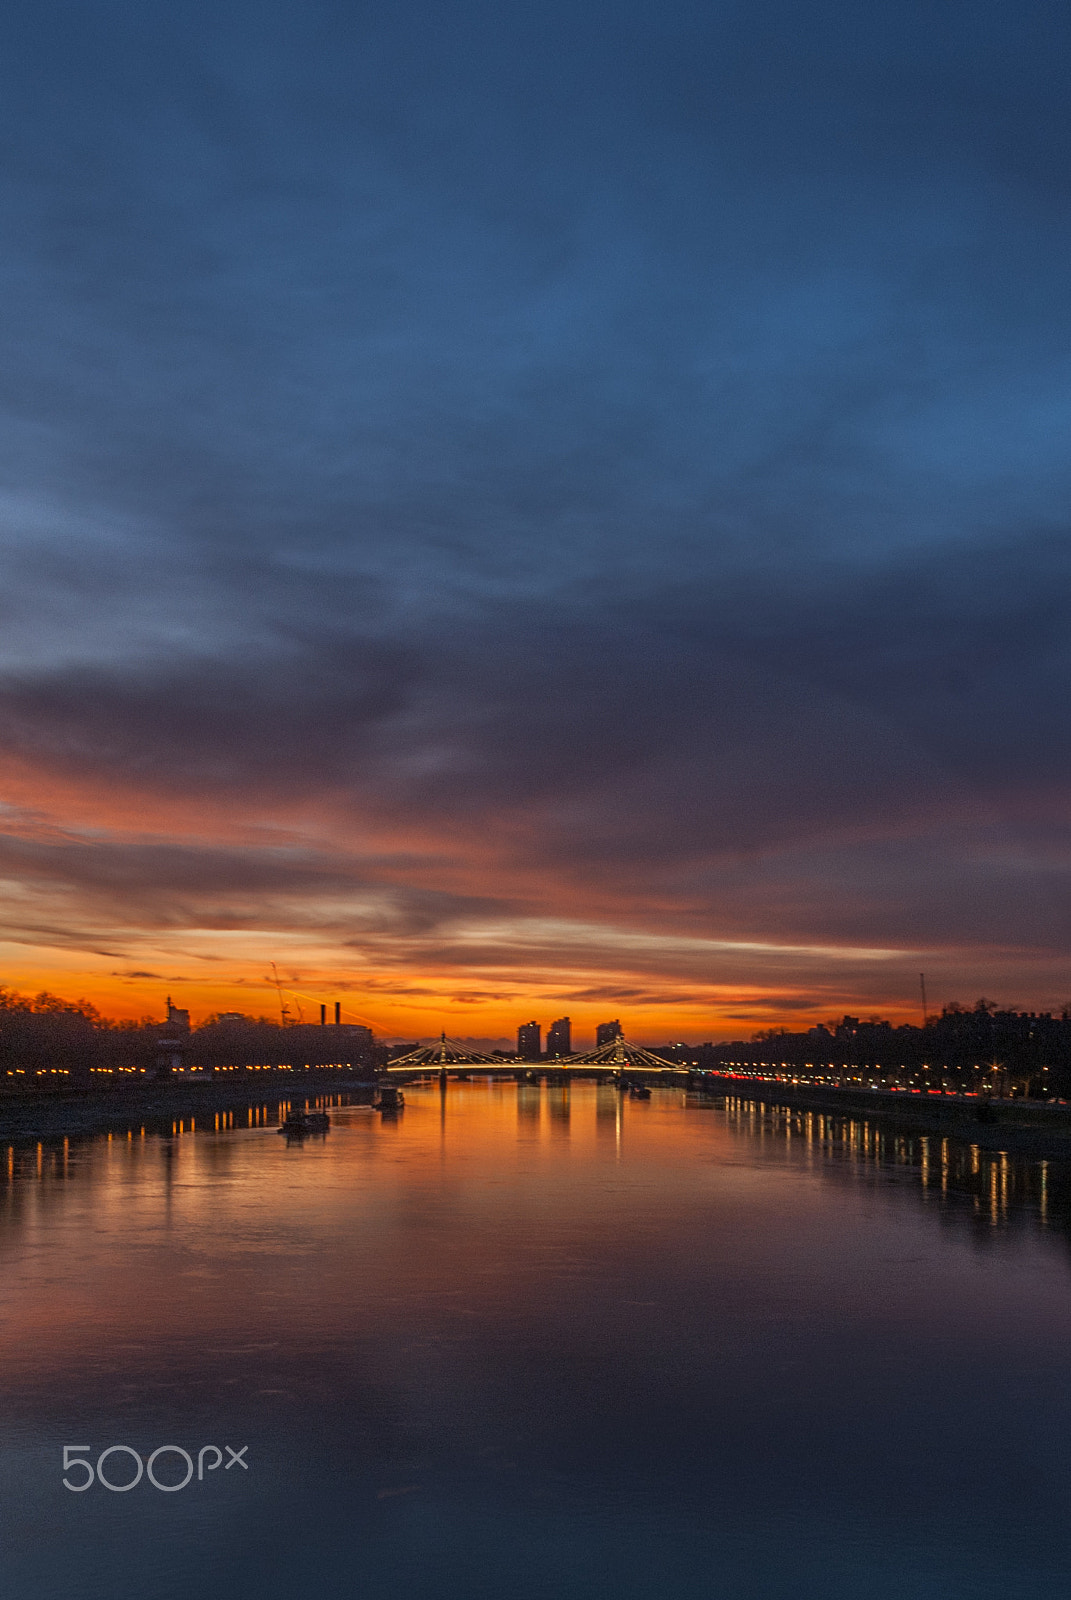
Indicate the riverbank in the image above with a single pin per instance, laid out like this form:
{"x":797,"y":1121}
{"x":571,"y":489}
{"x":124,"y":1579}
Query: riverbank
{"x":1034,"y":1129}
{"x":156,"y":1105}
{"x":1030,"y":1129}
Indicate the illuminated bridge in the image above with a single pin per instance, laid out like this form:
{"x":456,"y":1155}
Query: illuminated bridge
{"x":450,"y":1058}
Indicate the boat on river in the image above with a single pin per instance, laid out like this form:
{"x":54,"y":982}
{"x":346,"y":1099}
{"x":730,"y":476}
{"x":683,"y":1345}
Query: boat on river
{"x":299,"y":1123}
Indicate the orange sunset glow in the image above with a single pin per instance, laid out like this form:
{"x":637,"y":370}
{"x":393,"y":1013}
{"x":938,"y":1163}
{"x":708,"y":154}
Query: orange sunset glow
{"x":122,"y":893}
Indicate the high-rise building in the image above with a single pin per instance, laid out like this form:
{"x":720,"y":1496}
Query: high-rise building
{"x":529,"y":1047}
{"x":606,"y":1033}
{"x":559,"y":1038}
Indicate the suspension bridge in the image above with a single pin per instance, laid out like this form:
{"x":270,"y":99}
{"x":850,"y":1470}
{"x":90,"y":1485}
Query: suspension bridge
{"x":448,"y":1058}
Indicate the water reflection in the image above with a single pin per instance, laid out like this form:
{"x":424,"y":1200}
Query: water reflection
{"x":529,"y":1106}
{"x":559,"y":1108}
{"x":541,"y":1340}
{"x":1001,"y":1189}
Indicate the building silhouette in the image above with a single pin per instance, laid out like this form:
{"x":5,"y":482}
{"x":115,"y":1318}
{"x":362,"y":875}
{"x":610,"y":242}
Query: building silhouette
{"x":178,"y":1021}
{"x":607,"y":1032}
{"x":559,"y":1038}
{"x":348,"y":1044}
{"x":529,"y":1047}
{"x":173,"y":1041}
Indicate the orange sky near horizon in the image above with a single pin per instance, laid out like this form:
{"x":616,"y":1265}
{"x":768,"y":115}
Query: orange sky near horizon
{"x":122,"y":897}
{"x":485,"y":1003}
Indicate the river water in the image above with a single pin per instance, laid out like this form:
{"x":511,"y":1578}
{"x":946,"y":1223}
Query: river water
{"x":522,"y":1343}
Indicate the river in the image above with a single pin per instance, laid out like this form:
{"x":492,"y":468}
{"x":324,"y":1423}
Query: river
{"x":534,"y":1342}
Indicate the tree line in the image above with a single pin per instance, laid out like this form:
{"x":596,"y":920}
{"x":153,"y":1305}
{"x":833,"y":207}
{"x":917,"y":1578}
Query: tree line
{"x":46,"y":1036}
{"x":1021,"y":1051}
{"x":1016,"y":1051}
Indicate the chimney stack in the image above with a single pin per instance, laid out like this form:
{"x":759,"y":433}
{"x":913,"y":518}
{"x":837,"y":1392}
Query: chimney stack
{"x":338,"y":1013}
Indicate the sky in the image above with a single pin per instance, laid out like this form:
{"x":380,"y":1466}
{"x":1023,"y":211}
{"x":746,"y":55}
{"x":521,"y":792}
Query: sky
{"x":511,"y":511}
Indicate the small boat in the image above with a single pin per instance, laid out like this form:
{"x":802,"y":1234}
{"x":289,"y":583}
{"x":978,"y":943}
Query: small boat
{"x":639,"y":1091}
{"x":301,"y":1122}
{"x":390,"y":1098}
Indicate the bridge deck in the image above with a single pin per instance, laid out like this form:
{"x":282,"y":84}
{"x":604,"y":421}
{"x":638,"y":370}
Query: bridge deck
{"x":518,"y":1073}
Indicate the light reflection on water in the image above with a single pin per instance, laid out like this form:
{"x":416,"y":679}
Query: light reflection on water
{"x":540,"y":1341}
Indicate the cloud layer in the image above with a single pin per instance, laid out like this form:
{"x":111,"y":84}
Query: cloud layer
{"x":590,"y":472}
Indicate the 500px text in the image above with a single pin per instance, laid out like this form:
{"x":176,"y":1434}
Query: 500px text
{"x":75,"y":1458}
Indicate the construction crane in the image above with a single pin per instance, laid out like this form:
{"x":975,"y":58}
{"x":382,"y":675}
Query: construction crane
{"x":283,"y":1011}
